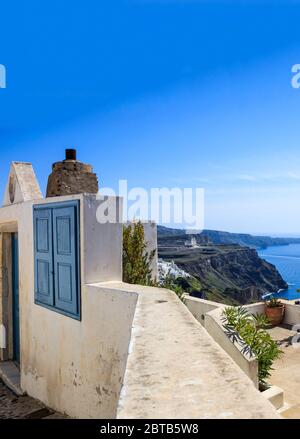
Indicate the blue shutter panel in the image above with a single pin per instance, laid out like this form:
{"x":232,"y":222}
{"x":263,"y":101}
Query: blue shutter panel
{"x":65,"y":250}
{"x":43,"y":258}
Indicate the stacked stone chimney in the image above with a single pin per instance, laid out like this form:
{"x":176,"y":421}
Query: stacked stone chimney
{"x":70,"y":177}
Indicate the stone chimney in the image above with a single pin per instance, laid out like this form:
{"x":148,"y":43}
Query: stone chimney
{"x":70,"y":177}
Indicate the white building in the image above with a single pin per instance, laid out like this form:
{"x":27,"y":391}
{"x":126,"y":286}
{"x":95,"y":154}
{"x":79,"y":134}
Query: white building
{"x":86,"y":344}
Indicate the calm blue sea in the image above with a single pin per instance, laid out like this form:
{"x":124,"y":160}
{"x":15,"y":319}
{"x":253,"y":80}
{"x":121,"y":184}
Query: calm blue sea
{"x":286,"y":258}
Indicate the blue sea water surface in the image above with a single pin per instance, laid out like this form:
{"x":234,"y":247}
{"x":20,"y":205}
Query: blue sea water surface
{"x":286,"y":258}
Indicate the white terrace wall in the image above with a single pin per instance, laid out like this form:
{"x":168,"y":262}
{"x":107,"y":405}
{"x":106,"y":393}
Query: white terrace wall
{"x":255,"y":308}
{"x":200,"y":307}
{"x":75,"y":367}
{"x":291,"y":313}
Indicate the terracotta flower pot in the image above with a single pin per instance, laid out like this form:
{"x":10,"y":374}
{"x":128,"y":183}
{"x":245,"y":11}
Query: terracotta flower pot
{"x":275,"y":314}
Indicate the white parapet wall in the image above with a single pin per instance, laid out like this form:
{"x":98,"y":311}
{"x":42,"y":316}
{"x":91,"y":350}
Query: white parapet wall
{"x":255,"y":308}
{"x":200,"y":307}
{"x":77,"y":367}
{"x":292,"y":313}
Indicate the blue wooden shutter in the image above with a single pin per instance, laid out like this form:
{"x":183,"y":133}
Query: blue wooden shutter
{"x":43,"y":256}
{"x":66,"y":265}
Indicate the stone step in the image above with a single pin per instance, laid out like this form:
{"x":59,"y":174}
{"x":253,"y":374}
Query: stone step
{"x":10,"y":375}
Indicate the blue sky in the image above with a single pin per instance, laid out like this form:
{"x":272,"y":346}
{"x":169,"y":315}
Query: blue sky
{"x":161,"y":93}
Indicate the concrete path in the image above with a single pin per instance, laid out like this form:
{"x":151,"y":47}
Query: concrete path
{"x":176,"y":370}
{"x":286,"y":371}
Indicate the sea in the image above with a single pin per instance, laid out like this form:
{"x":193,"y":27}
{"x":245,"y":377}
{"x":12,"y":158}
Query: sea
{"x":286,"y":258}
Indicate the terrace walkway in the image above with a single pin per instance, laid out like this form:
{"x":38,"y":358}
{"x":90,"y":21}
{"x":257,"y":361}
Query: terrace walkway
{"x":176,"y":370}
{"x":286,"y":371}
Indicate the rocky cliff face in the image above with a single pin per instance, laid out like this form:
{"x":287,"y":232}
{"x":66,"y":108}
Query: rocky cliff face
{"x":225,"y":273}
{"x":218,"y":237}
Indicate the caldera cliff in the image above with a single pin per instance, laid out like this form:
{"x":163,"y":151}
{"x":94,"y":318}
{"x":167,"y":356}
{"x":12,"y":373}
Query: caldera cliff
{"x":230,"y":274}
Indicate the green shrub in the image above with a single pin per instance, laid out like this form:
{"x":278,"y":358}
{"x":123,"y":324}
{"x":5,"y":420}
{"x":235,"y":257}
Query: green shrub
{"x":273,"y":303}
{"x":170,"y":283}
{"x":136,"y":260}
{"x":249,"y":331}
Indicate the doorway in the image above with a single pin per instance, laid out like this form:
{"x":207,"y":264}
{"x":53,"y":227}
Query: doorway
{"x":15,"y":298}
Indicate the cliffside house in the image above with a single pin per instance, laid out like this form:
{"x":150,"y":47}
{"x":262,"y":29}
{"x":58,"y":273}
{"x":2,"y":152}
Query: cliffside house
{"x":77,"y":338}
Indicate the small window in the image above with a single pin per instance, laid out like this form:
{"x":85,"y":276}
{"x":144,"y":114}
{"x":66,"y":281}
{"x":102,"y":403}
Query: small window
{"x":56,"y":257}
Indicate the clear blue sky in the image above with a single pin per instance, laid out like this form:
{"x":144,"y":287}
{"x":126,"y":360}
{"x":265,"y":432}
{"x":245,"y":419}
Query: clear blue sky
{"x":162,"y":93}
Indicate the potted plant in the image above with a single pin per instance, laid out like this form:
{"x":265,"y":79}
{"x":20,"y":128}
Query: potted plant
{"x":274,"y":310}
